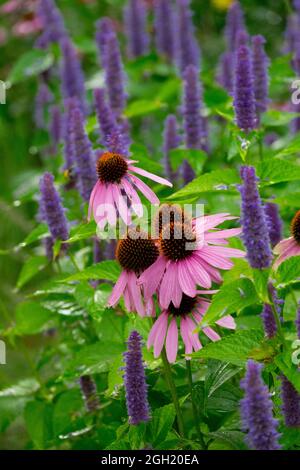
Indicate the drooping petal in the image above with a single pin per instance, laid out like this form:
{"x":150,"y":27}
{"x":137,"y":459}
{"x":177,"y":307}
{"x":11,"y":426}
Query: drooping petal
{"x":186,"y":281}
{"x":151,"y":176}
{"x":148,"y":193}
{"x":152,"y":276}
{"x":135,"y":291}
{"x":160,"y":335}
{"x":118,"y":289}
{"x":211,"y":334}
{"x":172,"y":341}
{"x":227,"y":322}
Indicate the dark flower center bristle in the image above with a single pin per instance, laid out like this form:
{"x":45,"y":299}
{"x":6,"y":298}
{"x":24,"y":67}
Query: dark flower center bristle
{"x":168,"y":214}
{"x":111,"y":167}
{"x":295,"y":227}
{"x":177,"y":241}
{"x":187,"y":304}
{"x":136,"y":252}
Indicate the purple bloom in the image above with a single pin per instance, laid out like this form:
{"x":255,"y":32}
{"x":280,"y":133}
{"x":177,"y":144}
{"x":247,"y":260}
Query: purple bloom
{"x":244,"y":100}
{"x":48,"y":243}
{"x":135,"y":381}
{"x":290,"y":403}
{"x":256,"y":411}
{"x":269,"y":321}
{"x":164,"y":28}
{"x":255,"y":230}
{"x":53,"y":24}
{"x":171,"y":141}
{"x":225,"y":71}
{"x":72,"y":79}
{"x":55,"y":128}
{"x":43,"y":98}
{"x":234,"y":23}
{"x":260,"y":62}
{"x":104,"y":29}
{"x":135,"y":19}
{"x":70,"y":105}
{"x":274,"y":223}
{"x":89,"y":393}
{"x":188,"y":49}
{"x":86,"y":171}
{"x":105,"y":115}
{"x":52,"y":210}
{"x":117,"y":142}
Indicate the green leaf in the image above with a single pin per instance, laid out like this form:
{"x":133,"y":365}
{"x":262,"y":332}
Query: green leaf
{"x":288,"y":271}
{"x":290,"y":149}
{"x":219,"y":373}
{"x":82,"y":232}
{"x":277,"y":170}
{"x":30,"y":64}
{"x":30,"y":269}
{"x":235,"y":348}
{"x":290,"y":370}
{"x":142,"y":107}
{"x":25,"y":387}
{"x":217,"y":180}
{"x":38,"y":233}
{"x":38,"y":420}
{"x":109,"y":270}
{"x":196,"y":158}
{"x":161,"y":423}
{"x":31,"y":318}
{"x":232,"y":297}
{"x":140,"y":153}
{"x":260,"y":278}
{"x":228,"y":440}
{"x":66,"y":414}
{"x":274,"y":118}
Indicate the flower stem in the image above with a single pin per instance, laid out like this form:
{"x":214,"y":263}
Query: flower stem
{"x":195,"y":410}
{"x":172,"y":387}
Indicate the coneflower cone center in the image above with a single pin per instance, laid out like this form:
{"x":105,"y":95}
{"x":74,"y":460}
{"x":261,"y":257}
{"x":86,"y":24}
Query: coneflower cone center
{"x":295,"y":227}
{"x":186,"y":306}
{"x":136,"y":253}
{"x":177,"y":241}
{"x":169,"y":214}
{"x":111,"y":167}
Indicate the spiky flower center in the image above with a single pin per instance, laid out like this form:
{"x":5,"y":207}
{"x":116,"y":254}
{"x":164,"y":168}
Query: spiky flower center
{"x":177,"y":241}
{"x":168,"y":214}
{"x":187,"y":304}
{"x":295,"y":227}
{"x":136,"y":252}
{"x":111,"y":167}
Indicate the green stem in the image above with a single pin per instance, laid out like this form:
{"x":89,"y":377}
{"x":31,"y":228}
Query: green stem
{"x":195,"y":409}
{"x":172,"y":387}
{"x":278,"y":323}
{"x":73,"y":260}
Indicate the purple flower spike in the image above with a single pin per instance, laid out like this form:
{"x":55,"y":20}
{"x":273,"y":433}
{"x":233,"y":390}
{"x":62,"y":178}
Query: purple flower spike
{"x":42,"y":100}
{"x":53,"y":24}
{"x":192,"y":106}
{"x":255,"y":229}
{"x":274,"y":223}
{"x":234,"y":23}
{"x":55,"y":126}
{"x":86,"y":171}
{"x":171,"y":141}
{"x":104,"y":28}
{"x":164,"y":28}
{"x":89,"y":393}
{"x":290,"y":403}
{"x":269,"y":321}
{"x":70,"y":105}
{"x":72,"y":79}
{"x":135,"y":19}
{"x":105,"y":116}
{"x":260,"y":64}
{"x":188,"y":49}
{"x":257,"y":411}
{"x":135,"y":381}
{"x":52,"y":210}
{"x":225,"y":71}
{"x":244,"y":100}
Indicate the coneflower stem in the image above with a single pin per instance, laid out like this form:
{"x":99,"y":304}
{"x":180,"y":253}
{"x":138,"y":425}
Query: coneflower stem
{"x":172,"y":387}
{"x":195,"y":409}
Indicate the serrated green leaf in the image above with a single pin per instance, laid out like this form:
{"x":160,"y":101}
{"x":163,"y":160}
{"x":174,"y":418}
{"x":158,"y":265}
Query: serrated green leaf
{"x":30,"y":64}
{"x":38,"y":420}
{"x":277,"y":170}
{"x":82,"y":232}
{"x":25,"y":387}
{"x":196,"y":158}
{"x":291,"y":371}
{"x":274,"y":118}
{"x":289,"y":270}
{"x":38,"y":233}
{"x":109,"y":270}
{"x":31,"y":318}
{"x":142,"y":107}
{"x":30,"y":269}
{"x":161,"y":423}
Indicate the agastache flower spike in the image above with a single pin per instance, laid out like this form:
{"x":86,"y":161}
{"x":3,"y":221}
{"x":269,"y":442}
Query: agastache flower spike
{"x":244,"y":100}
{"x":105,"y":116}
{"x":225,"y":71}
{"x":135,"y":381}
{"x":188,"y":49}
{"x":234,"y":23}
{"x":72,"y":80}
{"x":274,"y":222}
{"x":260,"y":63}
{"x":268,"y":318}
{"x":255,"y":229}
{"x":104,"y":28}
{"x":55,"y":126}
{"x":70,"y":105}
{"x":164,"y":28}
{"x":52,"y":210}
{"x":135,"y":19}
{"x":256,"y":411}
{"x":53,"y":24}
{"x":290,"y":403}
{"x":89,"y":393}
{"x":85,"y":168}
{"x":171,"y":141}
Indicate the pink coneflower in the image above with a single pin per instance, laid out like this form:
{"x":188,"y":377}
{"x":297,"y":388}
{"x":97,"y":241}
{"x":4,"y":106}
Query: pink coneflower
{"x":135,"y":253}
{"x":115,"y":192}
{"x":191,"y":254}
{"x":187,"y":316}
{"x":289,"y":246}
